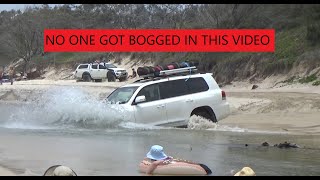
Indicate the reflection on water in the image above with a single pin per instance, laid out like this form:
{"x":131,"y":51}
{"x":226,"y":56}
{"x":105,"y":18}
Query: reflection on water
{"x":118,"y":152}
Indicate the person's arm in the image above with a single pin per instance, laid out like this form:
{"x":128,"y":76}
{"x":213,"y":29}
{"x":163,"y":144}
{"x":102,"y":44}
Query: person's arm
{"x":153,"y":166}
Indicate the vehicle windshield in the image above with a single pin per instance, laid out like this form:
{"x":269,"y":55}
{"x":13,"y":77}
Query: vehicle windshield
{"x":111,"y":66}
{"x":5,"y":77}
{"x":121,"y":95}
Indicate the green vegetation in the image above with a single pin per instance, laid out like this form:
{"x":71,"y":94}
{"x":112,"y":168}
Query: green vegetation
{"x":290,"y":80}
{"x":290,"y":43}
{"x":308,"y":79}
{"x":317,"y":83}
{"x":297,"y":28}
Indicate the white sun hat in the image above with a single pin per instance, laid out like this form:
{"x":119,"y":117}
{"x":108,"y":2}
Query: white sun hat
{"x":59,"y":170}
{"x":246,"y":171}
{"x":156,"y":153}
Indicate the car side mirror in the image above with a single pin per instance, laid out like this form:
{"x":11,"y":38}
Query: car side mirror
{"x":140,"y":99}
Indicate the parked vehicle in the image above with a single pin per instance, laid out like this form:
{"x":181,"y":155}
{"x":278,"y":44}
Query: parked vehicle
{"x":5,"y":78}
{"x":115,"y":72}
{"x":89,"y":72}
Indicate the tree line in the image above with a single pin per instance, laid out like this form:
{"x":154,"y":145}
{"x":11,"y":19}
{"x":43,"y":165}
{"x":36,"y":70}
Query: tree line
{"x":21,"y":32}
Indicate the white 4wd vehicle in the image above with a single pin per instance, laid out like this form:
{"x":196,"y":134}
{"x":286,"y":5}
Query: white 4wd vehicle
{"x":88,"y":72}
{"x":171,"y":101}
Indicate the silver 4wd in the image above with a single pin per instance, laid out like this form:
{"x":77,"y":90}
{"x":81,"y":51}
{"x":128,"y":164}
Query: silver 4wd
{"x":89,"y":72}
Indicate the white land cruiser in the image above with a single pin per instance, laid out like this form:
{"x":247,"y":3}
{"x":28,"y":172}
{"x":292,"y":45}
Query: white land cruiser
{"x":88,"y":72}
{"x":171,"y":100}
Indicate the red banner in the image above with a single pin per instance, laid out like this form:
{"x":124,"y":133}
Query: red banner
{"x":159,"y":40}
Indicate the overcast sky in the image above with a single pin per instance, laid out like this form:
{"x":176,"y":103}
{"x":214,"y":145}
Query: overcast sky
{"x":8,"y":7}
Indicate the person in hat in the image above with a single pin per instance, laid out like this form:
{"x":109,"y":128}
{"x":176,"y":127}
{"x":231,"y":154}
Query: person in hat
{"x":157,"y":156}
{"x":59,"y":170}
{"x":246,"y":171}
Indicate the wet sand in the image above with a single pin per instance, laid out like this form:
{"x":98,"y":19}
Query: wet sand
{"x":287,"y":112}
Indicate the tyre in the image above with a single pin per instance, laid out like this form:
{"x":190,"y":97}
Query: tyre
{"x":111,"y":77}
{"x":86,"y":78}
{"x":122,"y":79}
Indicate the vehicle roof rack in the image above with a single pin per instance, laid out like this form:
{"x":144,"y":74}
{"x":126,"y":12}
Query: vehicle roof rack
{"x":168,"y":73}
{"x":171,"y":72}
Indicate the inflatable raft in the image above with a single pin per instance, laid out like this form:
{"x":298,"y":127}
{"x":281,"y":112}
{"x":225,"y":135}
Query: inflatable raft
{"x":176,"y":167}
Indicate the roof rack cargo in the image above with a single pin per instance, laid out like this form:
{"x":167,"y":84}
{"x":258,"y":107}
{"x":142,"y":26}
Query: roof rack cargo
{"x":172,"y":72}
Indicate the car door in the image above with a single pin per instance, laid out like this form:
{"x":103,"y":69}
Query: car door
{"x":179,"y":103}
{"x":196,"y":87}
{"x":153,"y":110}
{"x":102,"y":71}
{"x":94,"y":71}
{"x":81,"y":69}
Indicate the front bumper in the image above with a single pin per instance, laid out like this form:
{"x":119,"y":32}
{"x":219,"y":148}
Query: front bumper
{"x":121,"y":75}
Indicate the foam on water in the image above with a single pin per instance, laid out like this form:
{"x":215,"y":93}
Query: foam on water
{"x":200,"y":123}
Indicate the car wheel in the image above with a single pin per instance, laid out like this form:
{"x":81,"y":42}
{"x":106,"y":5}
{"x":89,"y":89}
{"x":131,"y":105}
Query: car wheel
{"x":111,"y":77}
{"x":122,"y":79}
{"x":86,"y":78}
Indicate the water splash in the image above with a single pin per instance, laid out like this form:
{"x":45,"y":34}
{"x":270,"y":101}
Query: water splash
{"x":200,"y":123}
{"x":66,"y":108}
{"x":73,"y":108}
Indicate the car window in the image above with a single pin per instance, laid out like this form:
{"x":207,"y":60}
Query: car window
{"x":122,"y":95}
{"x":5,"y":77}
{"x":173,"y":88}
{"x":94,"y":66}
{"x":196,"y":85}
{"x":151,"y":92}
{"x":102,"y":67}
{"x":83,"y":67}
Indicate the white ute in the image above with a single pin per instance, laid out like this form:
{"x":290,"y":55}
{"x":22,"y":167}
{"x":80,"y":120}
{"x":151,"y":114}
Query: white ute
{"x":172,"y":99}
{"x":88,"y":72}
